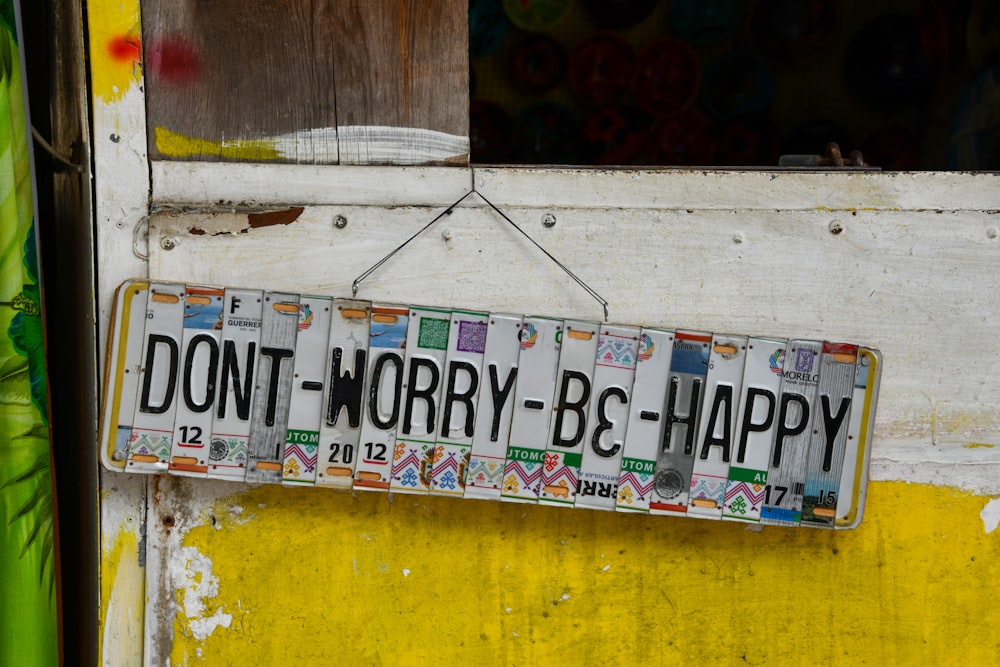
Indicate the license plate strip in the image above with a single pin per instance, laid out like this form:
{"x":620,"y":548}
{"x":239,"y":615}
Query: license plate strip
{"x":538,"y":361}
{"x":786,"y":474}
{"x":306,"y":402}
{"x":670,"y":422}
{"x":496,"y":407}
{"x":645,"y":420}
{"x":199,"y":379}
{"x":685,"y":394}
{"x":607,"y":423}
{"x":230,"y":449}
{"x":156,"y":404}
{"x":383,"y":389}
{"x":564,"y":448}
{"x":460,"y":394}
{"x":278,"y":333}
{"x":343,"y":395}
{"x":121,"y":382}
{"x":717,"y":426}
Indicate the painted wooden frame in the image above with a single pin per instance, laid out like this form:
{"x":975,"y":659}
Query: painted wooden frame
{"x":903,"y":261}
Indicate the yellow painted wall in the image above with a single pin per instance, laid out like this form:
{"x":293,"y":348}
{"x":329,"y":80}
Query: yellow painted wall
{"x":320,"y":577}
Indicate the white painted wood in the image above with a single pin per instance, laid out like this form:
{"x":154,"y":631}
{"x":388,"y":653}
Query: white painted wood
{"x":723,"y":189}
{"x":121,"y":193}
{"x":920,"y":285}
{"x":239,"y":186}
{"x":223,"y":186}
{"x":374,"y":144}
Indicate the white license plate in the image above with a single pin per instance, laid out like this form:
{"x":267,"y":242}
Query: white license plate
{"x":121,"y":384}
{"x":310,"y":390}
{"x":614,"y":374}
{"x":571,"y":403}
{"x":645,"y":420}
{"x":496,"y":407}
{"x":457,"y":414}
{"x":156,"y":404}
{"x":837,"y":372}
{"x":786,"y":473}
{"x":857,"y":455}
{"x":278,"y":331}
{"x":230,"y":448}
{"x":717,"y":426}
{"x":199,"y":378}
{"x":423,"y":379}
{"x":344,"y":394}
{"x":536,"y":378}
{"x":755,"y":422}
{"x":685,"y":391}
{"x":306,"y":403}
{"x":383,"y":392}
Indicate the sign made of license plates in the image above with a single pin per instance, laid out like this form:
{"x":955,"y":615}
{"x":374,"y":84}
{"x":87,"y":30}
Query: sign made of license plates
{"x":272,"y":387}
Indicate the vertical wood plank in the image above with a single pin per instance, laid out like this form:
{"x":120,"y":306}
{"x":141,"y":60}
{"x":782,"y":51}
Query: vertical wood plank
{"x":241,"y":80}
{"x":268,"y":80}
{"x":402,"y":81}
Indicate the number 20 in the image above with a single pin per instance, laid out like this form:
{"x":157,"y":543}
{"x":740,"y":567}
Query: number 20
{"x":335,"y":449}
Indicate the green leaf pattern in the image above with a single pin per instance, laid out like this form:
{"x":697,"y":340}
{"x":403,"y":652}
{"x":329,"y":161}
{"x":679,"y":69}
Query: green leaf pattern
{"x":28,"y":627}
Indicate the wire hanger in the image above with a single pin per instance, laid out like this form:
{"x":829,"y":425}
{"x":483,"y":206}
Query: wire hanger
{"x":473,"y":191}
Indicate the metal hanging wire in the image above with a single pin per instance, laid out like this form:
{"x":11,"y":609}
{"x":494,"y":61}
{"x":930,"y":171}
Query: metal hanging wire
{"x":579,"y":281}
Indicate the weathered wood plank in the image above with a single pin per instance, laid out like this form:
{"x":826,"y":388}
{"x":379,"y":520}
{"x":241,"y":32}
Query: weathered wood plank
{"x":203,"y":186}
{"x":240,"y":80}
{"x":295,"y":81}
{"x":402,"y":81}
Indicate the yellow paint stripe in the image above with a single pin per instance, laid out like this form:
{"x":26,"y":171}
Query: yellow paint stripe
{"x":176,"y":145}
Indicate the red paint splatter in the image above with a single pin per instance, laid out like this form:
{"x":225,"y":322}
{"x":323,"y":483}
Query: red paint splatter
{"x":174,"y":60}
{"x":125,"y":49}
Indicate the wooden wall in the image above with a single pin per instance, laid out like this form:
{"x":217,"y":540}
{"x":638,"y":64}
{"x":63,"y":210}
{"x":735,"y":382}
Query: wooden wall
{"x":318,"y":82}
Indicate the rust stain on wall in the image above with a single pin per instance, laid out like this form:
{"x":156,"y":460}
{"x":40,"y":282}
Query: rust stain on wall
{"x":269,"y":218}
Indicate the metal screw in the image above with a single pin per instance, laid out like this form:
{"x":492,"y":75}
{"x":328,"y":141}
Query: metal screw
{"x":340,"y":222}
{"x":549,"y":220}
{"x":738,"y":237}
{"x":992,"y":232}
{"x":119,"y":455}
{"x":168,"y":243}
{"x":836,"y":227}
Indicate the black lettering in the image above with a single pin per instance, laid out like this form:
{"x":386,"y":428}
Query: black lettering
{"x":785,"y":431}
{"x":152,"y":343}
{"x":564,"y":404}
{"x":688,"y":421}
{"x":234,"y":303}
{"x":747,"y":427}
{"x":277,"y":355}
{"x":604,"y":424}
{"x":397,"y":361}
{"x":500,"y":396}
{"x":426,"y":394}
{"x":607,"y":490}
{"x":213,"y":367}
{"x":465,"y":397}
{"x":831,"y":425}
{"x":346,"y":390}
{"x":230,"y":368}
{"x":723,"y":395}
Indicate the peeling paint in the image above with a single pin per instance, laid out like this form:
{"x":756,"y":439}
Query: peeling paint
{"x":990,"y":515}
{"x":177,"y":145}
{"x":505,"y":576}
{"x":285,"y":217}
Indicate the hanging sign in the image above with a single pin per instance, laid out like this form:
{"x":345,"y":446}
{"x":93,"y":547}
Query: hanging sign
{"x":255,"y":386}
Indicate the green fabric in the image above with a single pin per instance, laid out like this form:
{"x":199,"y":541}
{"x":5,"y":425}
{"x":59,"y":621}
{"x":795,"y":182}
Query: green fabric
{"x":28,"y":610}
